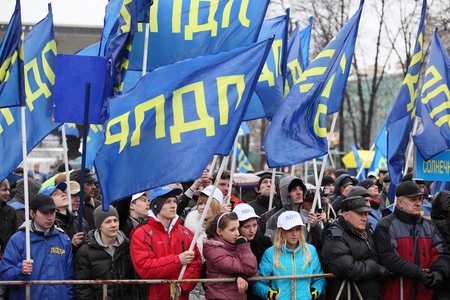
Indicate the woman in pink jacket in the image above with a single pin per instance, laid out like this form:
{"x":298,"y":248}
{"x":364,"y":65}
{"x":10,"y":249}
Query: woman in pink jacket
{"x":227,"y":254}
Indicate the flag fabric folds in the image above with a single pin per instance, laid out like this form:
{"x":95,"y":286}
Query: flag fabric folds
{"x":269,"y":91}
{"x":243,"y":162}
{"x":12,"y":91}
{"x":39,"y":66}
{"x":433,"y":136}
{"x":359,"y":164}
{"x":194,"y":28}
{"x":400,"y":120}
{"x":297,"y":54}
{"x":298,"y":130}
{"x":175,"y":116}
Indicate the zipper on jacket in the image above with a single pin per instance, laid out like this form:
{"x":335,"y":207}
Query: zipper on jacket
{"x":169,"y":239}
{"x":294,"y":272}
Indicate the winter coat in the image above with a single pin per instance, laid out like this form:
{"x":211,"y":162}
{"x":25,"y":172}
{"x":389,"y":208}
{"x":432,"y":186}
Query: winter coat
{"x":337,"y":198}
{"x":93,"y":262}
{"x":8,"y":220}
{"x":155,"y":254}
{"x":407,"y":245}
{"x":18,"y":201}
{"x":350,"y":257}
{"x":440,"y":217}
{"x":290,"y":263}
{"x":52,"y":255}
{"x":260,"y":204}
{"x":225,"y":260}
{"x":69,"y":223}
{"x":259,"y":245}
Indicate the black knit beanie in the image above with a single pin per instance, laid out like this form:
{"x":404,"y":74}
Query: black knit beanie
{"x":157,"y":204}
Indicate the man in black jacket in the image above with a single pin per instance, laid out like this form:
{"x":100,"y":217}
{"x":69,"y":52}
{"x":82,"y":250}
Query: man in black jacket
{"x":349,"y":252}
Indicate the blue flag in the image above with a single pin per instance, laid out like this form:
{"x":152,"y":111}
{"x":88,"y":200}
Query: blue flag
{"x":94,"y":142}
{"x":12,"y":91}
{"x":400,"y":120}
{"x":297,"y":54}
{"x":244,"y":129}
{"x":195,"y":28}
{"x":298,"y":130}
{"x":143,"y":10}
{"x":359,"y":164}
{"x":39,"y":59}
{"x":175,"y":119}
{"x":433,"y":136}
{"x":243,"y":163}
{"x":269,"y":91}
{"x":381,"y":140}
{"x":378,"y":161}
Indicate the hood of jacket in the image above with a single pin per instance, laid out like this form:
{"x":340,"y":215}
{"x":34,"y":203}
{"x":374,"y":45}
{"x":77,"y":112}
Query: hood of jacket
{"x":33,"y":189}
{"x":286,"y":199}
{"x":338,"y":182}
{"x":441,"y":204}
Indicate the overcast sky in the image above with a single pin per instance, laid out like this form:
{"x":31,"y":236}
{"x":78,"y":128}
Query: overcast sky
{"x":65,"y":12}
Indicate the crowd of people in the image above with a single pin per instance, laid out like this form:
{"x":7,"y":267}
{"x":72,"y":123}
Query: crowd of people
{"x":377,"y":248}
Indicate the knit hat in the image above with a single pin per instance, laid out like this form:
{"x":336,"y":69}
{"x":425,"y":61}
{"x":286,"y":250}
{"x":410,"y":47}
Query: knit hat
{"x":159,"y":196}
{"x":358,"y":191}
{"x":326,"y":180}
{"x":366,"y":183}
{"x":100,"y":215}
{"x":408,"y":189}
{"x":295,"y":183}
{"x":266,"y":176}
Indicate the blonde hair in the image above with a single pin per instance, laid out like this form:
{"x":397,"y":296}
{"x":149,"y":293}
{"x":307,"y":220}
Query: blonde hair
{"x":280,"y":246}
{"x":215,"y":205}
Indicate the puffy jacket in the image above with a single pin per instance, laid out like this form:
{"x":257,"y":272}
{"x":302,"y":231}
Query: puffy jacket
{"x":155,"y":255}
{"x":225,"y":260}
{"x":8,"y":219}
{"x":350,"y":257}
{"x":93,"y":262}
{"x":407,"y":245}
{"x":290,"y":263}
{"x":52,"y":255}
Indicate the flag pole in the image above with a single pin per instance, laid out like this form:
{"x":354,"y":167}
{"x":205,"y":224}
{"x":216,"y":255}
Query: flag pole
{"x":213,"y":164}
{"x":26,"y":197}
{"x":272,"y":189}
{"x":365,"y":161}
{"x":205,"y":211}
{"x":233,"y":167}
{"x":66,"y":164}
{"x":293,"y":170}
{"x":145,"y":54}
{"x":411,"y":145}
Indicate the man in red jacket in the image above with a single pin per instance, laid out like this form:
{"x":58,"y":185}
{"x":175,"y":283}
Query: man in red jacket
{"x":158,"y":248}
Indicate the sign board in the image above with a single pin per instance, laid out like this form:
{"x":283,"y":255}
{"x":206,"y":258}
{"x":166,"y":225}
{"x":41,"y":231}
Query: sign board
{"x":436,"y":169}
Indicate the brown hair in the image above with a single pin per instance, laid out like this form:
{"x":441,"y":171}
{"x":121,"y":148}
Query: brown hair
{"x":221,"y":221}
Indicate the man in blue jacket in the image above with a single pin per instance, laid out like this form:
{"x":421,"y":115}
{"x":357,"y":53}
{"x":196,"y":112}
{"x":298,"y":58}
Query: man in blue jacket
{"x":50,"y":252}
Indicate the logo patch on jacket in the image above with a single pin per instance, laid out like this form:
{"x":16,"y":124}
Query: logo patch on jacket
{"x":57,"y":250}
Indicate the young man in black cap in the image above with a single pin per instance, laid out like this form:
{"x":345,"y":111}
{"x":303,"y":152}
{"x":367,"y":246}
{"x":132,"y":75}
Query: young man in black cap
{"x":159,"y":249}
{"x":349,"y":252}
{"x":410,"y":245}
{"x":50,"y":252}
{"x":261,"y":203}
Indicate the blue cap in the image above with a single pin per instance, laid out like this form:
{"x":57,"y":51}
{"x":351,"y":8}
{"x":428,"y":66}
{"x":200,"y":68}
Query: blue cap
{"x":50,"y":189}
{"x":164,"y":191}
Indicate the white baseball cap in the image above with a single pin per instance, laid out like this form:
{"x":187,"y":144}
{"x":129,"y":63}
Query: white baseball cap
{"x":289,"y":219}
{"x":136,"y":196}
{"x":207,"y":191}
{"x":245,"y":212}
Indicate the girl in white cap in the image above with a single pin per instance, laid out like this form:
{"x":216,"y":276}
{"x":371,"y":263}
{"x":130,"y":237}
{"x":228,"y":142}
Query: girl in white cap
{"x":290,"y":255}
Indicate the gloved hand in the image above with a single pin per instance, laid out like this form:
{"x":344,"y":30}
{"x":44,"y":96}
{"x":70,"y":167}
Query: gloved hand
{"x":437,"y":280}
{"x":241,"y":240}
{"x":426,"y":278}
{"x":314,"y":293}
{"x":273,"y":294}
{"x":383,"y":272}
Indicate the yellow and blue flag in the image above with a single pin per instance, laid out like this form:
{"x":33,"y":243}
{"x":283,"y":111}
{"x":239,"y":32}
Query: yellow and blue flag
{"x":433,"y":135}
{"x":298,"y":130}
{"x":39,"y":66}
{"x":379,"y":158}
{"x":176,"y":115}
{"x":243,"y":162}
{"x":12,"y":91}
{"x":297,"y":54}
{"x":269,"y":91}
{"x":359,"y":164}
{"x":400,"y":120}
{"x":193,"y":28}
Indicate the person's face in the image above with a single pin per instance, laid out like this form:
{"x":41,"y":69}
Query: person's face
{"x":43,"y":220}
{"x":110,"y":227}
{"x":60,"y":199}
{"x":4,"y":191}
{"x":381,"y":176}
{"x":409,"y":205}
{"x":265,"y":186}
{"x":140,"y":207}
{"x":367,"y":199}
{"x":296,"y":195}
{"x":330,"y":187}
{"x":169,"y":209}
{"x":89,"y":189}
{"x":292,"y":237}
{"x":249,"y":229}
{"x":231,"y":232}
{"x":75,"y":201}
{"x":386,"y":186}
{"x":373,"y":191}
{"x":357,"y":219}
{"x":223,"y":186}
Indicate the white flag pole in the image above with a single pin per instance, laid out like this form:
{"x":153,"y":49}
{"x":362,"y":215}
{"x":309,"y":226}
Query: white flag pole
{"x":66,"y":164}
{"x":272,"y":190}
{"x":145,"y":54}
{"x":365,"y":161}
{"x":233,"y":167}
